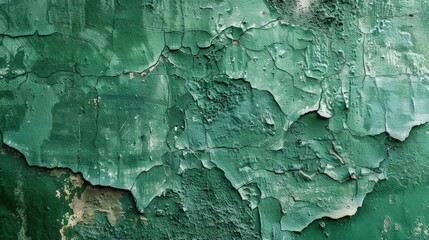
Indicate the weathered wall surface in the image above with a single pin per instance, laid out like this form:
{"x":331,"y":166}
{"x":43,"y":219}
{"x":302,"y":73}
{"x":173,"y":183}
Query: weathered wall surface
{"x":214,"y":119}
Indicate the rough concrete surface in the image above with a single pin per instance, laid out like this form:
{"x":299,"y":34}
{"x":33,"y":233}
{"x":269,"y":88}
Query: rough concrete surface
{"x":214,"y":119}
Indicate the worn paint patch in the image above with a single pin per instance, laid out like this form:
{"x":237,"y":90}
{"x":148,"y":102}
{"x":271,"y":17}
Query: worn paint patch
{"x":93,"y":200}
{"x":294,"y":103}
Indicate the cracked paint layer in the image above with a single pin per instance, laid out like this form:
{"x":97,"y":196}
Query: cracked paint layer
{"x":292,"y":105}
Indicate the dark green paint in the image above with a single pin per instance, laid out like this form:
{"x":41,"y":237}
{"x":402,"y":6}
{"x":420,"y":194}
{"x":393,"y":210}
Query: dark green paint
{"x":260,"y":116}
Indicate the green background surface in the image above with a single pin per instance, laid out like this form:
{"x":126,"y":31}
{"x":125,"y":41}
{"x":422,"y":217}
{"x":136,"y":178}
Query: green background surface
{"x":212,"y":119}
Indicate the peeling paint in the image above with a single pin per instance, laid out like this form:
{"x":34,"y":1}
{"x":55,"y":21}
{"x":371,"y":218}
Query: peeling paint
{"x":297,"y":110}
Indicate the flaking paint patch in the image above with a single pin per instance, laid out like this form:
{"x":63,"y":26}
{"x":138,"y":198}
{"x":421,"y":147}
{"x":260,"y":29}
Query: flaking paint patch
{"x":202,"y":79}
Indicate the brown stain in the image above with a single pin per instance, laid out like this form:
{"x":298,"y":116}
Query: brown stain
{"x":397,"y":227}
{"x":103,"y":200}
{"x":76,"y":180}
{"x":57,"y":172}
{"x":386,"y":224}
{"x":93,"y":199}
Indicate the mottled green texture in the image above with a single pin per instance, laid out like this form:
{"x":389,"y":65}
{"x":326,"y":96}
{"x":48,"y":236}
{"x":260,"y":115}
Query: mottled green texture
{"x":292,"y":106}
{"x":206,"y":207}
{"x":206,"y":204}
{"x":397,"y":208}
{"x":28,"y":206}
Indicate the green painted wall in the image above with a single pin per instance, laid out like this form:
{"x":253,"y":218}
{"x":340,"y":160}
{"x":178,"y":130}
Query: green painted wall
{"x":213,"y":119}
